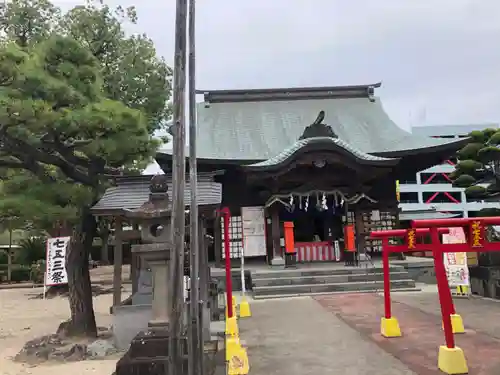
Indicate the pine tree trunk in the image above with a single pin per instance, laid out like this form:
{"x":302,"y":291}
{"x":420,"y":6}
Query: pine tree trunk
{"x":82,"y":322}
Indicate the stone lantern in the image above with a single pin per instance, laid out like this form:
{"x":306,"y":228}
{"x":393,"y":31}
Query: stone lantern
{"x":148,"y":352}
{"x":153,"y":217}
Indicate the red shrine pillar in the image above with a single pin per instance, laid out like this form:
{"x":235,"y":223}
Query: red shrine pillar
{"x":290,"y":253}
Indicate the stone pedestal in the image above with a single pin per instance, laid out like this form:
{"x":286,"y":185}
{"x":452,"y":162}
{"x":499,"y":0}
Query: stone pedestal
{"x":160,"y":304}
{"x":148,"y":353}
{"x":144,"y":294}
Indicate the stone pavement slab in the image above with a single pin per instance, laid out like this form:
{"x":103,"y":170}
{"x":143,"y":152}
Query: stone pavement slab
{"x":422,"y":333}
{"x":298,"y":337}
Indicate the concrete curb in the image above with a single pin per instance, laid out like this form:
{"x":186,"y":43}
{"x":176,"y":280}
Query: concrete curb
{"x":20,"y":286}
{"x":32,"y":286}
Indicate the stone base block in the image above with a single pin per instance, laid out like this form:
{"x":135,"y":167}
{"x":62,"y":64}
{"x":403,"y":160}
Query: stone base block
{"x":452,"y":361}
{"x":389,"y":327}
{"x":142,"y":366}
{"x":278,"y":261}
{"x":148,"y":354}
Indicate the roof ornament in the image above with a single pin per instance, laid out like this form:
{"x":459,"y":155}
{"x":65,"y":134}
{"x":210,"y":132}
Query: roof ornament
{"x":371,"y":93}
{"x":157,"y":206}
{"x":158,"y":184}
{"x":318,"y":129}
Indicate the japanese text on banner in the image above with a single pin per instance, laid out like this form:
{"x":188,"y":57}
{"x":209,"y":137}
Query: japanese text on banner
{"x":56,"y":261}
{"x":456,"y":263}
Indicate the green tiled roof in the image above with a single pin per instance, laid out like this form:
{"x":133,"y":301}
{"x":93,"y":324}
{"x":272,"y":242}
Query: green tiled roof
{"x":261,"y":129}
{"x":297,"y":146}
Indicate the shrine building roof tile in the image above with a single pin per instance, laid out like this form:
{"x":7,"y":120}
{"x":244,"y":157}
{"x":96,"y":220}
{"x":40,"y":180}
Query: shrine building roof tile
{"x":256,"y":125}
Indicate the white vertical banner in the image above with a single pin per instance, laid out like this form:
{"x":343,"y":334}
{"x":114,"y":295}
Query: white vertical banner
{"x":455,"y":264}
{"x":254,"y":237}
{"x":56,"y":261}
{"x":242,"y":269}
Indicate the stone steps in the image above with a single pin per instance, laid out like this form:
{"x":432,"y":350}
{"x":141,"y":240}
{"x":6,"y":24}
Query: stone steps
{"x":321,"y":272}
{"x":277,"y":296}
{"x":331,"y":287}
{"x":325,"y":279}
{"x":309,"y":281}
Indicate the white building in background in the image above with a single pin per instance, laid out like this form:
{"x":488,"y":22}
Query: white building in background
{"x":432,"y":187}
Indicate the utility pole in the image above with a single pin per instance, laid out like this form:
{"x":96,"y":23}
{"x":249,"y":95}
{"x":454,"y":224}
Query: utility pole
{"x":178,"y":226}
{"x":195,"y":347}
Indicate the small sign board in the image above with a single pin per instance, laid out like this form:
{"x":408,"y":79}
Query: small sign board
{"x":411,"y":238}
{"x":56,"y":261}
{"x":455,"y":264}
{"x":254,"y":232}
{"x":476,"y":235}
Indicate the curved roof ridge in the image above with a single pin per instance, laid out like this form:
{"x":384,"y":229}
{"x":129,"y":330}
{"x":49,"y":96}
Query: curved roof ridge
{"x":299,"y":145}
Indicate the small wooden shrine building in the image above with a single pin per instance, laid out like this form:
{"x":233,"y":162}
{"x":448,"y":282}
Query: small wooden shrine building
{"x":323,"y":158}
{"x":129,"y":194}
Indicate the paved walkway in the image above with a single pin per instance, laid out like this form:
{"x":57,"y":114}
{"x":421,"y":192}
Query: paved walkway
{"x":340,"y":334}
{"x":299,"y":337}
{"x":421,"y":327}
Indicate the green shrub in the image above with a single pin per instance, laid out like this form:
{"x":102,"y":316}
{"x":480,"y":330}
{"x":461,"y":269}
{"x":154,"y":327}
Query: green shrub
{"x":19,"y":274}
{"x":31,"y":250}
{"x":3,"y":257}
{"x":464,"y":181}
{"x":475,"y":191}
{"x":3,"y":267}
{"x":470,"y":151}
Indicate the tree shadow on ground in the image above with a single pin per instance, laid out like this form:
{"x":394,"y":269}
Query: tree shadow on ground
{"x":62,"y":291}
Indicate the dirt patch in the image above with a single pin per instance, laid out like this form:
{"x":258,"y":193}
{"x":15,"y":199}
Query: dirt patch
{"x":24,"y":319}
{"x":57,"y":348}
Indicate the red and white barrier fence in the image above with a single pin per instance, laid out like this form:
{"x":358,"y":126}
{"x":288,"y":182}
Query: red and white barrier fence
{"x":315,"y":252}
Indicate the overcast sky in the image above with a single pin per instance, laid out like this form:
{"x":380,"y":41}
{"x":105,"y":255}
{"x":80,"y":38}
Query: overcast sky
{"x":438,"y":60}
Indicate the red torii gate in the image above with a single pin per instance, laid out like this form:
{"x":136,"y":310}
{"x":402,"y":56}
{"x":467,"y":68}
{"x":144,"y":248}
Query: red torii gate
{"x":451,"y":359}
{"x":389,"y":325}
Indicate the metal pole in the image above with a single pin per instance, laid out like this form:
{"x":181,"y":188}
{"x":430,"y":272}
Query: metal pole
{"x":195,"y":366}
{"x":242,"y":271}
{"x":178,"y":184}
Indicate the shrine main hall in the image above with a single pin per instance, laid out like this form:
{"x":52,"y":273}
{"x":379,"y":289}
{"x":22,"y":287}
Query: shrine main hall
{"x":323,"y":158}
